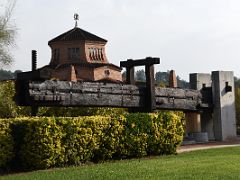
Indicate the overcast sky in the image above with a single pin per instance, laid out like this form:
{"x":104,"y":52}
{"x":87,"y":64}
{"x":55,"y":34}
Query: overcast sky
{"x":188,"y":35}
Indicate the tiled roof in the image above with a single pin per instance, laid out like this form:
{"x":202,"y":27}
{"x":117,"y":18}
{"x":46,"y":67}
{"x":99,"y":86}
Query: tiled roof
{"x":77,"y":34}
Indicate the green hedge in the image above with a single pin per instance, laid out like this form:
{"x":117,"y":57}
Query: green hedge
{"x":6,"y":144}
{"x":40,"y":143}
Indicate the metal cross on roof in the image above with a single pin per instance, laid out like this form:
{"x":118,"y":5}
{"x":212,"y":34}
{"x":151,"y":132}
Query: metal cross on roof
{"x":76,"y":18}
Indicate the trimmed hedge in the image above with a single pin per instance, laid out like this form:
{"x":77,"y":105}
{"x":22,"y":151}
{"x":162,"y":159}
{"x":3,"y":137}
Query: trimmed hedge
{"x":6,"y":144}
{"x":40,"y":143}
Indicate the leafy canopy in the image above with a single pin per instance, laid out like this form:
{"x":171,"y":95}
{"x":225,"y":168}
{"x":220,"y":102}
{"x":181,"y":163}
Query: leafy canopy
{"x":7,"y":34}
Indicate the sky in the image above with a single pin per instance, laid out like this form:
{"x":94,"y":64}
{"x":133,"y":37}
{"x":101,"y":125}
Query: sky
{"x":189,"y":36}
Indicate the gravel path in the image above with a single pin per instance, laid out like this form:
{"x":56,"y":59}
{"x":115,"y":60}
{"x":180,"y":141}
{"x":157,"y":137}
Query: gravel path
{"x":210,"y":145}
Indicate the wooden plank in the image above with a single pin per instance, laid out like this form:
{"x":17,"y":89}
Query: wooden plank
{"x":177,"y":104}
{"x":178,"y":93}
{"x":140,"y":62}
{"x":89,"y":94}
{"x":83,"y":87}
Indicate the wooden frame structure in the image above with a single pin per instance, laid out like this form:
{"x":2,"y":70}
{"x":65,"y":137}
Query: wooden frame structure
{"x":38,"y":92}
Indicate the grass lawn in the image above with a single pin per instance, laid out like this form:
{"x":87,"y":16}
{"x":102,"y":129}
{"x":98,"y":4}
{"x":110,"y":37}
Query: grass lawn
{"x":221,"y":163}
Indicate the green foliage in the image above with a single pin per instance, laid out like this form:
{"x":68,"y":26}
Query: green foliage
{"x":8,"y":108}
{"x":137,"y":129}
{"x":40,"y":143}
{"x":162,"y":79}
{"x":77,"y":141}
{"x":237,"y":105}
{"x":182,"y":83}
{"x":237,"y":82}
{"x":78,"y":111}
{"x":152,"y":134}
{"x":7,"y":34}
{"x":140,"y":75}
{"x":8,"y":75}
{"x":5,"y":75}
{"x":6,"y":144}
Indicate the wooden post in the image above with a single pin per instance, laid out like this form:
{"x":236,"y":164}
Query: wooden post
{"x":130,"y":75}
{"x":34,"y":60}
{"x":193,"y":122}
{"x":150,"y":88}
{"x":34,"y":109}
{"x":172,"y":79}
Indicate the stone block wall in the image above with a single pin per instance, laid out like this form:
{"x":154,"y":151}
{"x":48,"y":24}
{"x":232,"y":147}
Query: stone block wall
{"x":220,"y":123}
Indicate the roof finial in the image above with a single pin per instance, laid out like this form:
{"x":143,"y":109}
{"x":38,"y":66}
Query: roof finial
{"x":76,"y":18}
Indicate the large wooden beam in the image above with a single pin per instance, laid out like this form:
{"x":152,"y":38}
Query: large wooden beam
{"x":90,"y":94}
{"x":140,"y":62}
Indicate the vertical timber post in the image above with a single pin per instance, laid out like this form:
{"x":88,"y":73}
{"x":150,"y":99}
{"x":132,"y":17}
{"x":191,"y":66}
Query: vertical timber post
{"x":193,"y":124}
{"x":34,"y":109}
{"x":172,"y":79}
{"x":150,"y":88}
{"x":130,"y":74}
{"x":34,"y":60}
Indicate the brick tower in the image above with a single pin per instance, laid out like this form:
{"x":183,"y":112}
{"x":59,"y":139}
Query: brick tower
{"x":78,"y":55}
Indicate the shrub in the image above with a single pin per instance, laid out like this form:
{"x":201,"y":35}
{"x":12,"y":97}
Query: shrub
{"x":79,"y":111}
{"x":137,"y":128}
{"x":167,"y":133}
{"x":40,"y":143}
{"x":77,"y":140}
{"x":6,"y":144}
{"x":8,"y":108}
{"x":110,"y":138}
{"x":237,"y":104}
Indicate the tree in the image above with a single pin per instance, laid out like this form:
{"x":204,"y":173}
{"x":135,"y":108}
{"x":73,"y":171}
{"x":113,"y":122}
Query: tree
{"x":140,"y":75}
{"x":7,"y":34}
{"x":182,"y":83}
{"x":237,"y":105}
{"x":5,"y":75}
{"x":237,"y":82}
{"x":162,"y":78}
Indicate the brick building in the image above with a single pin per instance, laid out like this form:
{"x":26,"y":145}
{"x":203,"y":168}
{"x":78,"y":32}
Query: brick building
{"x":78,"y":55}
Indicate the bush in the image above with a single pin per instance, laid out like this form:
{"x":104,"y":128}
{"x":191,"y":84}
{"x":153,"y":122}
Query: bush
{"x":41,"y":143}
{"x":6,"y":144}
{"x":136,"y":132}
{"x":79,"y":111}
{"x":78,"y":140}
{"x":8,"y":108}
{"x":237,"y":104}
